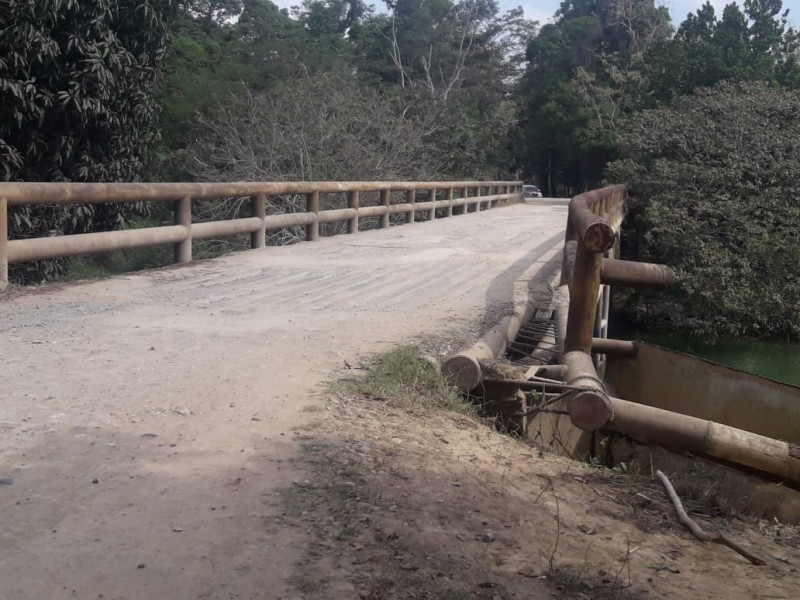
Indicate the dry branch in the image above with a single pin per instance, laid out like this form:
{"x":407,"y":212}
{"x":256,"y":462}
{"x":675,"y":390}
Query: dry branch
{"x":701,"y":535}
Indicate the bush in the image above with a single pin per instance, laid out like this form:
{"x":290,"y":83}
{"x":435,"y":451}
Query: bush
{"x":715,"y":193}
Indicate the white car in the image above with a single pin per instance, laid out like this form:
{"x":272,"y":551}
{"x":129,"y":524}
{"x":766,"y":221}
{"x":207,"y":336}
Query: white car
{"x":531,"y":191}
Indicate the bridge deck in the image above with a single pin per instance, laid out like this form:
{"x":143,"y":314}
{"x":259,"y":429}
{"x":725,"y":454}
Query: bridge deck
{"x":147,"y":419}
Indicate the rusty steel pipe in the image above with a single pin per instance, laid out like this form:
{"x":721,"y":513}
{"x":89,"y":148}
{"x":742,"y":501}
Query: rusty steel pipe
{"x":183,"y":216}
{"x":92,"y":243}
{"x":591,"y":229}
{"x":401,"y":208}
{"x":427,"y":206}
{"x":589,"y":408}
{"x":583,"y":293}
{"x":386,"y":202}
{"x":634,"y":274}
{"x":258,"y":209}
{"x":527,"y":385}
{"x":373,"y":211}
{"x":656,"y":426}
{"x":291,"y":220}
{"x":411,"y":199}
{"x":182,"y":194}
{"x":332,"y":216}
{"x":312,"y":207}
{"x":353,"y":201}
{"x":3,"y":243}
{"x":32,"y":193}
{"x":212,"y":229}
{"x":620,"y":348}
{"x":552,"y":372}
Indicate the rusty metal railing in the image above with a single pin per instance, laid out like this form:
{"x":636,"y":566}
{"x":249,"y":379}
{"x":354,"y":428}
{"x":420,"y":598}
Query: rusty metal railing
{"x":457,"y":197}
{"x":589,"y":268}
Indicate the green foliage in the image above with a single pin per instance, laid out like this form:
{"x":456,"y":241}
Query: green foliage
{"x":751,"y":45}
{"x":77,"y":103}
{"x":453,"y":64}
{"x":714,"y":194}
{"x":581,"y":77}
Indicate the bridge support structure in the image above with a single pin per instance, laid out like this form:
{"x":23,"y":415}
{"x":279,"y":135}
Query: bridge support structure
{"x":589,"y":266}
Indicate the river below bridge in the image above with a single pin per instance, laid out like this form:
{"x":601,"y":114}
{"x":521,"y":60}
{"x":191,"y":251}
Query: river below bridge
{"x":774,"y":359}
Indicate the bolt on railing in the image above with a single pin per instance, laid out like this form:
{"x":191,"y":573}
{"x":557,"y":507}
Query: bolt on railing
{"x":185,"y":231}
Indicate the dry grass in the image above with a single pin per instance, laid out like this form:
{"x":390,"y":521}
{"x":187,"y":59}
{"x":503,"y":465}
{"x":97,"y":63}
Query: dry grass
{"x":406,"y":377}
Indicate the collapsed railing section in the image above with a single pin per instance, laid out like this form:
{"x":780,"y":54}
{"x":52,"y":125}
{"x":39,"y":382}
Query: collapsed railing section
{"x":447,"y":197}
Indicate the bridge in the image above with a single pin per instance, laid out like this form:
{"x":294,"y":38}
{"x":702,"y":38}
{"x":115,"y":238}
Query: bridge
{"x":148,"y":413}
{"x":135,"y":405}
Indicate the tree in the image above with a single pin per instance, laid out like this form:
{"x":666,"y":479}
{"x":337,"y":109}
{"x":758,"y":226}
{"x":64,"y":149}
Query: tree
{"x":714,"y":194}
{"x":583,"y":74}
{"x":751,"y":45}
{"x":78,"y":84}
{"x":323,"y":127}
{"x":454,"y":65}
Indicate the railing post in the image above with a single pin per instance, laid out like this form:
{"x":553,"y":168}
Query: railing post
{"x":583,"y":293}
{"x":3,"y":243}
{"x":411,"y":198}
{"x":258,"y":208}
{"x":183,"y":216}
{"x":450,"y":199}
{"x":386,"y":200}
{"x":312,"y":206}
{"x":432,"y":198}
{"x":478,"y":190}
{"x":353,"y":201}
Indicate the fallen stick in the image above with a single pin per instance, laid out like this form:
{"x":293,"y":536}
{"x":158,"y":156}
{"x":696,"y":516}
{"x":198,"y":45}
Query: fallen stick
{"x":701,"y":535}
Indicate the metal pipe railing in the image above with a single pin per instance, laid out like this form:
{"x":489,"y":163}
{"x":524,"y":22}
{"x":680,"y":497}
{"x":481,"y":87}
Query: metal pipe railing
{"x":184,"y":231}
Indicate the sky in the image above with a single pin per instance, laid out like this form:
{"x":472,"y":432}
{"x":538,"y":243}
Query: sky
{"x":543,"y":10}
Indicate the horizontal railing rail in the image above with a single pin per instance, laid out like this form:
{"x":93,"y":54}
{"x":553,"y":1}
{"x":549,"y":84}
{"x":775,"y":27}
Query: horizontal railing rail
{"x":457,"y":197}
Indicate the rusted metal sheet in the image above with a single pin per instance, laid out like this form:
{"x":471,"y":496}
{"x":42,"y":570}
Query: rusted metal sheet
{"x":700,"y":388}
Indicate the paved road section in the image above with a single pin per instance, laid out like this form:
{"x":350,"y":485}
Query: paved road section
{"x":148,"y":421}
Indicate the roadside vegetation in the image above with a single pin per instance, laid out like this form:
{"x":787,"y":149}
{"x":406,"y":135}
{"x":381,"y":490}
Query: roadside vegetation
{"x":209,"y":90}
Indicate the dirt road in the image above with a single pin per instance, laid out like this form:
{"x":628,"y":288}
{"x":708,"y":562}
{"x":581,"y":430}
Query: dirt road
{"x":148,"y":420}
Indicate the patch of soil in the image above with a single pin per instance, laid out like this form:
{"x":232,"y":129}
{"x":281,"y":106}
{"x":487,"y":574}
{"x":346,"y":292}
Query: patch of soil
{"x":412,"y":503}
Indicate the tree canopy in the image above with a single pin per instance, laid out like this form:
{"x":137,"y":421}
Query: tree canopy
{"x":78,"y":83}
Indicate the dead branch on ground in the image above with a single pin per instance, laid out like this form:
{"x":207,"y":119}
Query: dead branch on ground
{"x":714,"y":536}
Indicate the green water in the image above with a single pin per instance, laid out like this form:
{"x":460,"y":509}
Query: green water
{"x":776,"y":360}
